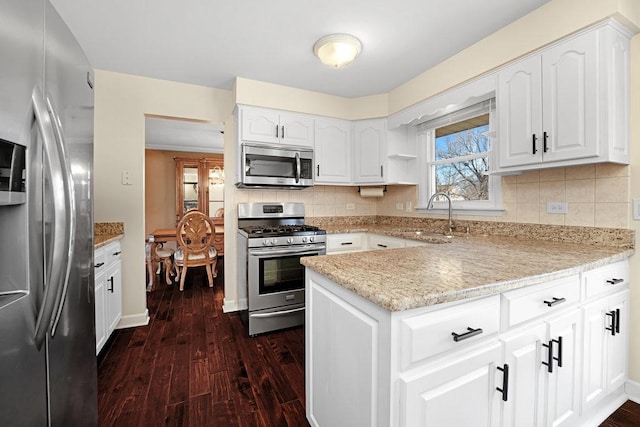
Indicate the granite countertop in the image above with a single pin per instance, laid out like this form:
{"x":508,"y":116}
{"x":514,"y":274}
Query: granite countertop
{"x":107,"y":232}
{"x":464,"y":267}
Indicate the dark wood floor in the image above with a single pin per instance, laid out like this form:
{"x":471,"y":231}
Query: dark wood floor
{"x":195,"y":366}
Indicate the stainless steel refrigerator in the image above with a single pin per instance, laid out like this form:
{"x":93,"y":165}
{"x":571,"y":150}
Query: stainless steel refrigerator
{"x":47,"y":336}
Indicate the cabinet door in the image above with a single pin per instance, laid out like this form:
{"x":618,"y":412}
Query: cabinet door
{"x":333,"y":152}
{"x":369,"y":151}
{"x":101,"y":330}
{"x":520,"y":113}
{"x":618,"y":346}
{"x":296,"y":129}
{"x":570,"y":95}
{"x":457,"y":391}
{"x":594,"y":370}
{"x":562,"y":384}
{"x":113,"y":296}
{"x":259,"y":125}
{"x":525,"y":398}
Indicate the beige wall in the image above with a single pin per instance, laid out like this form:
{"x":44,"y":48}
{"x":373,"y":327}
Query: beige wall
{"x":160,"y":186}
{"x":121,"y":103}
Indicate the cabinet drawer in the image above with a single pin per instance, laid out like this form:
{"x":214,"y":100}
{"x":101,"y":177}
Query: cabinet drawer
{"x":607,"y":278}
{"x":345,"y":242}
{"x":112,"y":253}
{"x":528,"y":303}
{"x":377,"y":241}
{"x":99,"y":261}
{"x":426,"y":335}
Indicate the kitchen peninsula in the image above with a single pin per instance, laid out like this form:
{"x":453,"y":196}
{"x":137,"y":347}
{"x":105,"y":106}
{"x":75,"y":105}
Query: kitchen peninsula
{"x":478,"y":331}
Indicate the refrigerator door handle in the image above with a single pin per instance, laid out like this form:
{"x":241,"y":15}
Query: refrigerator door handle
{"x":69,"y":216}
{"x":53,"y":281}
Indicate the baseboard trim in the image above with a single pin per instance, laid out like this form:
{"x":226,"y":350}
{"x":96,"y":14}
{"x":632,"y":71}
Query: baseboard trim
{"x":133,"y":320}
{"x":632,"y":389}
{"x":602,"y":411}
{"x":229,"y":306}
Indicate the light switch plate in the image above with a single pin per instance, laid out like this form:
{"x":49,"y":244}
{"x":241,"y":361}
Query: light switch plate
{"x":351,"y":206}
{"x":125,"y":178}
{"x":408,"y":206}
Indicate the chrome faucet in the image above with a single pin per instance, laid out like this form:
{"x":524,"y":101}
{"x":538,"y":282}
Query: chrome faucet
{"x":430,"y":206}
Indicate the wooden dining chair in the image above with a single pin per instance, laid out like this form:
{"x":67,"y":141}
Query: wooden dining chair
{"x":195,"y":234}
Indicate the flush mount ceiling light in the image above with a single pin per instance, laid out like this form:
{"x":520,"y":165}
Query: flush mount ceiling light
{"x":337,"y":50}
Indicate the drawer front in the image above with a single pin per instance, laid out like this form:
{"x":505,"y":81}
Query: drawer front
{"x":538,"y":300}
{"x":377,"y":241}
{"x":426,"y":335}
{"x":345,"y":242}
{"x":607,"y":278}
{"x":112,"y":252}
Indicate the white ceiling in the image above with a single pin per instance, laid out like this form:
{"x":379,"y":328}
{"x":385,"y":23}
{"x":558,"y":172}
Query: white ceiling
{"x":179,"y":135}
{"x":210,"y":42}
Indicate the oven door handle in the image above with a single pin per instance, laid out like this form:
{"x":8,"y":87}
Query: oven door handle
{"x":278,"y":313}
{"x":306,"y":251}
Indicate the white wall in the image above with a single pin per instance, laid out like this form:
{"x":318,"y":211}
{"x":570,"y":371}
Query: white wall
{"x":121,"y":103}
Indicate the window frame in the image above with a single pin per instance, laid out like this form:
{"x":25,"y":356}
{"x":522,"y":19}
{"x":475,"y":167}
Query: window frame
{"x":425,"y":138}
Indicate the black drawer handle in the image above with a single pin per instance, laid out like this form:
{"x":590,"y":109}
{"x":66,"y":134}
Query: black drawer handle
{"x":505,"y":382}
{"x":470,"y":333}
{"x":111,"y":287}
{"x":100,"y":264}
{"x":380,"y":245}
{"x":555,"y":301}
{"x":117,"y":253}
{"x":346,"y":243}
{"x":549,"y":364}
{"x":615,"y":281}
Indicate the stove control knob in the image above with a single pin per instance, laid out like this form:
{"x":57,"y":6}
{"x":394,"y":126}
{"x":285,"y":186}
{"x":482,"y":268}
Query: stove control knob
{"x":265,"y":242}
{"x":290,"y":240}
{"x":311,"y":239}
{"x":304,"y":240}
{"x":274,"y":241}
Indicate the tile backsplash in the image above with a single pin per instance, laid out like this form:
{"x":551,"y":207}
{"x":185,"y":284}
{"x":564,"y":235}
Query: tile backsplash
{"x":596,"y":196}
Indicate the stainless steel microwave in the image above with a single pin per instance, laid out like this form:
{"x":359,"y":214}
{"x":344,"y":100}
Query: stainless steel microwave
{"x":276,"y":166}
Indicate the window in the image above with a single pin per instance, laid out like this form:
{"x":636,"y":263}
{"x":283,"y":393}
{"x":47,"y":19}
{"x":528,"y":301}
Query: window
{"x":456,"y":156}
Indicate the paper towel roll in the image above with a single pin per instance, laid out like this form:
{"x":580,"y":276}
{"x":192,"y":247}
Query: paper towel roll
{"x":371,"y":191}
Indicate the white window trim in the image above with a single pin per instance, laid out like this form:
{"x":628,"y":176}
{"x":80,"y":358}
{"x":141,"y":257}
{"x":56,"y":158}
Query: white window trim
{"x":425,"y":134}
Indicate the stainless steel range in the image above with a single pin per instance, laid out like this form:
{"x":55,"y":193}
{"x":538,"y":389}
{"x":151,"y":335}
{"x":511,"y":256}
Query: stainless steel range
{"x":272,"y":237}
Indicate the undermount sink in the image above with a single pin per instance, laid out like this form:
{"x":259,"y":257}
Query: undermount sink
{"x":425,"y":234}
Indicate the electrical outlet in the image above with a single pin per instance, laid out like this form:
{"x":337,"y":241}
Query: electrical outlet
{"x":351,"y":206}
{"x":125,"y":178}
{"x":408,"y":206}
{"x":399,"y":206}
{"x":556,"y":207}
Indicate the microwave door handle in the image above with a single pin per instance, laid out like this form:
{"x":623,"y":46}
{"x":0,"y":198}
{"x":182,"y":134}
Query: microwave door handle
{"x":297,"y":166}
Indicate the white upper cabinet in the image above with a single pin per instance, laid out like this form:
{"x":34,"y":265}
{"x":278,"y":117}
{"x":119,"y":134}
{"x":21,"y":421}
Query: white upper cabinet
{"x":332,"y":151}
{"x":370,"y":151}
{"x":275,"y":127}
{"x":567,"y":104}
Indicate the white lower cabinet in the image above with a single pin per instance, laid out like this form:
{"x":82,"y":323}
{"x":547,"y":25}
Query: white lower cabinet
{"x":358,"y":242}
{"x":108,"y":292}
{"x":470,"y":363}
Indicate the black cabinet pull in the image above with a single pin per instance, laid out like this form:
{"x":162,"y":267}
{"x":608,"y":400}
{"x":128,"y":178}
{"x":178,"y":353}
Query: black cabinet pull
{"x":318,"y":170}
{"x":277,"y":136}
{"x":117,"y":253}
{"x":111,"y":287}
{"x":505,"y":382}
{"x":380,"y":245}
{"x":100,"y":264}
{"x":282,"y":133}
{"x":555,"y":301}
{"x":612,"y":314}
{"x":346,"y":243}
{"x":549,"y":364}
{"x":545,"y":148}
{"x":617,"y":320}
{"x":470,"y":333}
{"x":381,"y":171}
{"x":559,"y":358}
{"x":615,"y":281}
{"x":534,"y":150}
